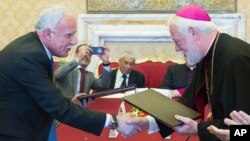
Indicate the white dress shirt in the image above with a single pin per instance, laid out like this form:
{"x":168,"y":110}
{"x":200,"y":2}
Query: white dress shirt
{"x":119,"y":79}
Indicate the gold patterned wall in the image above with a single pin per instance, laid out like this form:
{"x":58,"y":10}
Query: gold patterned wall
{"x":155,"y":6}
{"x":17,"y":17}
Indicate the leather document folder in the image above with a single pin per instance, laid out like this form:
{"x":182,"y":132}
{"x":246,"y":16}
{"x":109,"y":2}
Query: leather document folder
{"x":161,"y":107}
{"x":108,"y":92}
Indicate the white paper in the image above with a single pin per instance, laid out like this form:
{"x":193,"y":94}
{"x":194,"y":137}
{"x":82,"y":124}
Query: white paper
{"x":165,"y":92}
{"x":137,"y":90}
{"x":118,"y":95}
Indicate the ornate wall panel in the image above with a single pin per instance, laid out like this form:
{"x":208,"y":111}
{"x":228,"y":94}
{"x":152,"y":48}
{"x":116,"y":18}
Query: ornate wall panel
{"x":156,"y":6}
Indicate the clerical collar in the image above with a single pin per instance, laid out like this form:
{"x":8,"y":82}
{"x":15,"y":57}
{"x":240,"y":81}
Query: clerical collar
{"x":191,"y":68}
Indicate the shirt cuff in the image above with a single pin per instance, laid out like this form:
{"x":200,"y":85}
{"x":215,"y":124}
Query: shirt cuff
{"x":153,"y":127}
{"x":108,"y":120}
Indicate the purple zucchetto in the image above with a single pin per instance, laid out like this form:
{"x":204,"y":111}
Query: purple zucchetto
{"x":193,"y":12}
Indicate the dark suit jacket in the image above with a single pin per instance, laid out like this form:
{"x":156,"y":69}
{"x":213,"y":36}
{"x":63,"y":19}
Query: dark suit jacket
{"x":28,"y":98}
{"x":135,"y":77}
{"x":66,"y":79}
{"x":177,"y":76}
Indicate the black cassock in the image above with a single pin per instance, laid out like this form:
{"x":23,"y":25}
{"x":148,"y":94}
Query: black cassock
{"x":231,"y":84}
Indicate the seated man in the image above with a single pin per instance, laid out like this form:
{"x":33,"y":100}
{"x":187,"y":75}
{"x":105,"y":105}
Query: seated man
{"x":178,"y":78}
{"x":125,"y":75}
{"x":72,"y":78}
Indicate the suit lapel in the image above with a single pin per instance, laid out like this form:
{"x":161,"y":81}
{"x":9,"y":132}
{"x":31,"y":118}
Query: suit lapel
{"x":51,"y":73}
{"x":41,"y":48}
{"x":131,"y":79}
{"x":74,"y":79}
{"x":113,"y":77}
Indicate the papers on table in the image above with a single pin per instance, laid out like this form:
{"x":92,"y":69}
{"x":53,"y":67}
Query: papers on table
{"x":107,"y":92}
{"x":164,"y":92}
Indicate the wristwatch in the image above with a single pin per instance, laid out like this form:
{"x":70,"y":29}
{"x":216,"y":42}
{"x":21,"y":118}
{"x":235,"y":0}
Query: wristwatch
{"x":113,"y":124}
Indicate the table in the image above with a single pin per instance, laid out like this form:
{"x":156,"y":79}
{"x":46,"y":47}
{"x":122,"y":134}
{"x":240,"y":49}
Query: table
{"x":110,"y":105}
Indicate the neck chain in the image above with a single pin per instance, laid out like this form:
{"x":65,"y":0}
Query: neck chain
{"x":210,"y":91}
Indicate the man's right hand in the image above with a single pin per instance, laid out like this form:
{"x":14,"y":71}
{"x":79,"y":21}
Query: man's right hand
{"x":85,"y":52}
{"x":125,"y":125}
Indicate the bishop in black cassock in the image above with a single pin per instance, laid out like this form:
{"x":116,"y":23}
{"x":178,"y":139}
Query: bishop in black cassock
{"x":228,"y":81}
{"x":231,"y":83}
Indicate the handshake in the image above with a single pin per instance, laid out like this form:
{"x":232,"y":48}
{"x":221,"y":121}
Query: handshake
{"x":130,"y":124}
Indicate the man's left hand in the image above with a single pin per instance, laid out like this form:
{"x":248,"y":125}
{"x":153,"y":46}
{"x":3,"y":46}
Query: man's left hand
{"x":83,"y":103}
{"x":188,"y":127}
{"x":105,"y":56}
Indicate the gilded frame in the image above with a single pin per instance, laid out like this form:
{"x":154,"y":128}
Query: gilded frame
{"x":156,"y":6}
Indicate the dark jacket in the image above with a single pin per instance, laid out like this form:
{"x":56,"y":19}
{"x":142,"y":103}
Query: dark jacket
{"x":28,"y":98}
{"x":177,"y":76}
{"x":230,"y":84}
{"x":135,"y":77}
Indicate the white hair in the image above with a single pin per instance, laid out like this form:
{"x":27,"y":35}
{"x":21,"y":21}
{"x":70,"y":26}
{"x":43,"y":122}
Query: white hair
{"x":183,"y":24}
{"x":127,"y":53}
{"x":50,"y":18}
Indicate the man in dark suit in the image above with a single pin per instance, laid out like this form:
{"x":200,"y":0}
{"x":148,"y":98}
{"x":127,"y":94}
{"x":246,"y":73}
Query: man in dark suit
{"x":125,"y":75}
{"x":177,"y":78}
{"x":29,"y":101}
{"x":69,"y":75}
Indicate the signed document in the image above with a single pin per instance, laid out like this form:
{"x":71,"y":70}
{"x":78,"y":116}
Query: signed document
{"x":161,"y":107}
{"x":108,"y":92}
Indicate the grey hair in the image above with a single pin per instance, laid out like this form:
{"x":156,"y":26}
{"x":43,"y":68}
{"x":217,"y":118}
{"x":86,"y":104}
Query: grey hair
{"x":127,"y":53}
{"x":183,"y":24}
{"x":50,"y":18}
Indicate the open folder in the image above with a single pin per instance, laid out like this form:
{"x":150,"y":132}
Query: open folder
{"x":161,"y":107}
{"x":108,"y":92}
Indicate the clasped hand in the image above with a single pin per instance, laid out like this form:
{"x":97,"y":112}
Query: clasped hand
{"x":129,"y":124}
